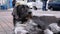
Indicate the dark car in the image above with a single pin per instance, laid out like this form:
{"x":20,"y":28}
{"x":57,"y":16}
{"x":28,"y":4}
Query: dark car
{"x":55,"y":4}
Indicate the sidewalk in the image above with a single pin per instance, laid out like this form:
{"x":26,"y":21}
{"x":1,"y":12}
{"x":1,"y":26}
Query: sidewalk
{"x":6,"y":24}
{"x":10,"y":9}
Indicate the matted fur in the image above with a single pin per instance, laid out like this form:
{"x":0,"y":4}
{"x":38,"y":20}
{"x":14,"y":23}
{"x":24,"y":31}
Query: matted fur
{"x":29,"y":27}
{"x":19,"y":11}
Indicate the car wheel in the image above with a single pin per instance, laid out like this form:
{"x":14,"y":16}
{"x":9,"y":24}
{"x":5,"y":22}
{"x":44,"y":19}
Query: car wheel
{"x":51,"y":8}
{"x":35,"y":8}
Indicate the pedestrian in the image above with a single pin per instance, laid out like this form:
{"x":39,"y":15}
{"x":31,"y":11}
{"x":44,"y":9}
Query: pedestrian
{"x":13,"y":3}
{"x":44,"y":5}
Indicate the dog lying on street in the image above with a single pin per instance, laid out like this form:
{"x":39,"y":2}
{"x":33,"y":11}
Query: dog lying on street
{"x":25,"y":23}
{"x":18,"y":12}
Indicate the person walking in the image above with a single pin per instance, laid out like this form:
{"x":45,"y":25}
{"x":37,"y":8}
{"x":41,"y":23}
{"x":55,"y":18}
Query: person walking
{"x":44,"y":5}
{"x":13,"y":2}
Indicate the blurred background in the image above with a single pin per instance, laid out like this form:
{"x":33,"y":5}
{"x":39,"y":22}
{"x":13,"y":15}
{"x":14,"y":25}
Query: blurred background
{"x":6,"y":7}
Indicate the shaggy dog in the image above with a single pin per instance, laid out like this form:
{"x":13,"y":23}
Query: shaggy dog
{"x":25,"y":23}
{"x":19,"y":12}
{"x":28,"y":26}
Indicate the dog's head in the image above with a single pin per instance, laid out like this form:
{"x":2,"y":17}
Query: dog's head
{"x":23,"y":12}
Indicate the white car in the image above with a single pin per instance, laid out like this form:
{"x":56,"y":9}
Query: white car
{"x":35,"y":5}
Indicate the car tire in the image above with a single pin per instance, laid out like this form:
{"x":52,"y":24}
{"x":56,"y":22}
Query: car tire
{"x":49,"y":7}
{"x":52,"y":8}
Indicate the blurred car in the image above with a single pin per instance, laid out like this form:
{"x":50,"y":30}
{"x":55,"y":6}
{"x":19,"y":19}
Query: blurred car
{"x":54,"y":4}
{"x":35,"y":4}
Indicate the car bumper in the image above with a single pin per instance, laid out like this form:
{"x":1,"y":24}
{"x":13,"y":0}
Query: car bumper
{"x":56,"y":7}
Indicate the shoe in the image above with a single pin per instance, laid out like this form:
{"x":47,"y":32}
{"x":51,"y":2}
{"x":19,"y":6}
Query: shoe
{"x":45,"y":10}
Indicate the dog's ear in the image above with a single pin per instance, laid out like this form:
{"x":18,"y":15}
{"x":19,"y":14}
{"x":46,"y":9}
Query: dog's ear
{"x":17,"y":7}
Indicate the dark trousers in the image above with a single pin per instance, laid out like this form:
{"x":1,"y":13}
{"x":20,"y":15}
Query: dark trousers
{"x":14,"y":21}
{"x":44,"y":5}
{"x":13,"y":5}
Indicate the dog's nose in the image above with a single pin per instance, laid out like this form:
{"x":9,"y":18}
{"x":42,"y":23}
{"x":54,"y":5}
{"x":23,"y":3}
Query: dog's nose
{"x":27,"y":33}
{"x":29,"y":12}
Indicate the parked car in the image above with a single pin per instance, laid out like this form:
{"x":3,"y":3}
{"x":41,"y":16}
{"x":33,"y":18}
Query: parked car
{"x":55,"y":4}
{"x":36,"y":5}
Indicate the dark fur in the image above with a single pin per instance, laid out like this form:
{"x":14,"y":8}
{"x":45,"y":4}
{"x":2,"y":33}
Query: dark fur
{"x":20,"y":13}
{"x":58,"y":22}
{"x":23,"y":14}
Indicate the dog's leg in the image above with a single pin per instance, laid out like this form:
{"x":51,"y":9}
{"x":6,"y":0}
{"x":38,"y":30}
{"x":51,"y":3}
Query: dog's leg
{"x":15,"y":31}
{"x":47,"y":31}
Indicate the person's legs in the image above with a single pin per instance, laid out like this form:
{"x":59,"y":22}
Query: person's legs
{"x":13,"y":5}
{"x":14,"y":21}
{"x":44,"y":5}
